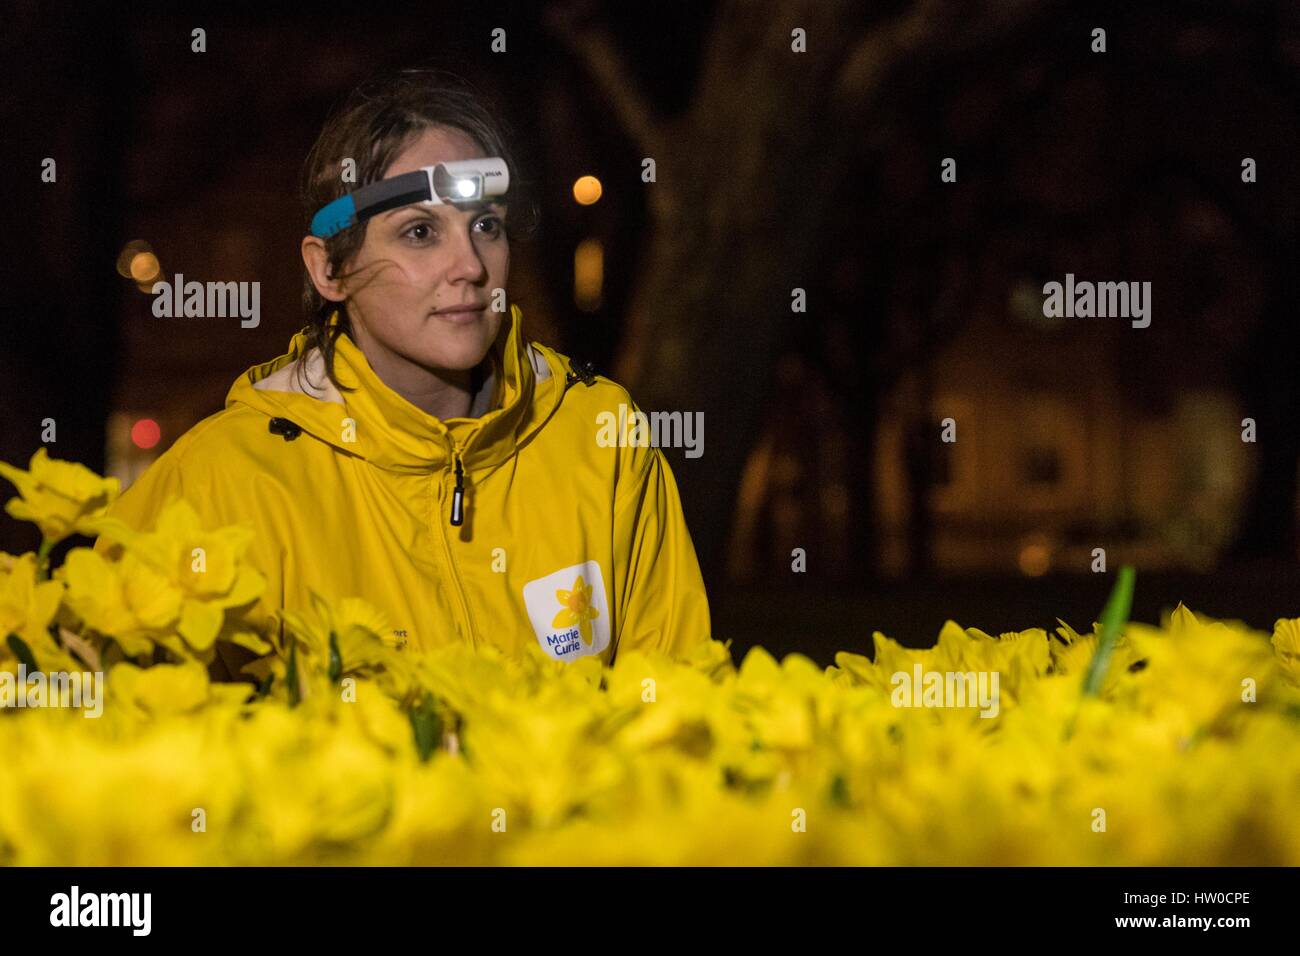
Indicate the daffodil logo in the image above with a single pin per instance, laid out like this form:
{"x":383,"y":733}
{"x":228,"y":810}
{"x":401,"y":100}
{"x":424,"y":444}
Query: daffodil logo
{"x":576,"y":609}
{"x":580,"y":626}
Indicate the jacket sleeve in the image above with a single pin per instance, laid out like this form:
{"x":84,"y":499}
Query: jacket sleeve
{"x":662,"y":602}
{"x":139,"y":506}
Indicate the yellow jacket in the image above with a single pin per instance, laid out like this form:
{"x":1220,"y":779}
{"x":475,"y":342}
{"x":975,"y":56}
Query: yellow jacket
{"x":578,"y":548}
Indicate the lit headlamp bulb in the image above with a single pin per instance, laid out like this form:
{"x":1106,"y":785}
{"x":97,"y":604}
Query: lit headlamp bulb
{"x":467,"y":180}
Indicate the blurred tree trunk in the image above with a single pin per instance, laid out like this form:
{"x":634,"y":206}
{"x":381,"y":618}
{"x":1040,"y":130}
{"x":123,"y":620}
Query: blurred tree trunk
{"x":745,"y":200}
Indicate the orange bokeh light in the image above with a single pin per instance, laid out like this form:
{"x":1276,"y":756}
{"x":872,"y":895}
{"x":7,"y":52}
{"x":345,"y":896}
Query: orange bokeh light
{"x":586,"y":190}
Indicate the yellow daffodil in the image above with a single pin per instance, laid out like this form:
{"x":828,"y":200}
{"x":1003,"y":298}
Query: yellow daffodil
{"x":349,"y":637}
{"x":200,"y":571}
{"x":160,"y":690}
{"x":1198,"y":670}
{"x":1191,"y":748}
{"x":576,"y":609}
{"x":128,"y":601}
{"x":59,"y":497}
{"x":27,"y":606}
{"x":1286,"y":644}
{"x":28,"y":609}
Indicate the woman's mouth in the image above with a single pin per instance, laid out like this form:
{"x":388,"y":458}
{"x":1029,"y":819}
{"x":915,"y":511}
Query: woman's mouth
{"x":460,"y":316}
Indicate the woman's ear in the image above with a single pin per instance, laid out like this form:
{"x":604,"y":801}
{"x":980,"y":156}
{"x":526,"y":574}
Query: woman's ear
{"x":316,"y":259}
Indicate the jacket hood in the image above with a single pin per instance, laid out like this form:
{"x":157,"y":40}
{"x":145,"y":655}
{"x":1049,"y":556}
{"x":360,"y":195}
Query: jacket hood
{"x":524,"y":388}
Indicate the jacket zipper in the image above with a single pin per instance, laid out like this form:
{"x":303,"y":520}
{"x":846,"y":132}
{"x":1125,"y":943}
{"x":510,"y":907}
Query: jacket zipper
{"x":458,"y":493}
{"x":457,"y":516}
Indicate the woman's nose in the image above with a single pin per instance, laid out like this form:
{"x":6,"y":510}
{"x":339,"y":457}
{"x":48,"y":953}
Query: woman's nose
{"x":467,"y":264}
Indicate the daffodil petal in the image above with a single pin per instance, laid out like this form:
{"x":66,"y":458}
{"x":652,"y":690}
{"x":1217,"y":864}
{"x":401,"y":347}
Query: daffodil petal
{"x":200,"y":623}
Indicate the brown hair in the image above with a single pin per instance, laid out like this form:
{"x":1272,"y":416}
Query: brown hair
{"x":372,"y":125}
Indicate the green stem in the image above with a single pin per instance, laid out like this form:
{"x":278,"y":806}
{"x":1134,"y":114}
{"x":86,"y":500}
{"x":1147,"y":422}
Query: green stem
{"x":43,"y":559}
{"x":291,"y":676}
{"x":1113,"y":619}
{"x":336,"y":659}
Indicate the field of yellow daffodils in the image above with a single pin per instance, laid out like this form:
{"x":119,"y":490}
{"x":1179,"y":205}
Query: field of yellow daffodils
{"x":1177,"y":744}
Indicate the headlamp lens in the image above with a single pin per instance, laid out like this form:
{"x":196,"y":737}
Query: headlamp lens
{"x":461,"y":186}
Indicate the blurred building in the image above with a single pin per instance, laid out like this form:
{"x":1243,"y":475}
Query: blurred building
{"x":1054,"y":455}
{"x":1052,"y":460}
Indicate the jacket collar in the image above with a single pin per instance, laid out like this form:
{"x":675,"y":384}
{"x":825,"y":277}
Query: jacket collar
{"x":527,"y":382}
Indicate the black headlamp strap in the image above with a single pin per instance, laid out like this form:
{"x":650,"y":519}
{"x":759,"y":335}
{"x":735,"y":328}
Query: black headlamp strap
{"x":388,"y":194}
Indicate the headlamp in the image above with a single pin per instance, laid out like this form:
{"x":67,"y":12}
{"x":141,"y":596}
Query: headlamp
{"x":462,"y":181}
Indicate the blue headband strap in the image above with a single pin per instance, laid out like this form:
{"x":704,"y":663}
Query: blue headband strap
{"x":369,"y":201}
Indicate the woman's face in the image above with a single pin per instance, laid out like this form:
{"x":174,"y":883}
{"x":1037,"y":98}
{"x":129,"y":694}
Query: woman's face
{"x":419,"y":261}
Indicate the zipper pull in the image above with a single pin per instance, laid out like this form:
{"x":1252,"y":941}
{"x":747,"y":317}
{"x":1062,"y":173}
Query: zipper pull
{"x":458,"y":493}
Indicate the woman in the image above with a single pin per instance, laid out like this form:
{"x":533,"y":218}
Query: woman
{"x":413,"y":447}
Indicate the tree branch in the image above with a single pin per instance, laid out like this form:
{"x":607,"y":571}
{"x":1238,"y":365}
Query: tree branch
{"x":930,"y":26}
{"x":595,"y":48}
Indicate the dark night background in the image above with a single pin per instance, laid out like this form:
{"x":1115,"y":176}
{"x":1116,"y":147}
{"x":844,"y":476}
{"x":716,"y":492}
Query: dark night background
{"x":776,"y":170}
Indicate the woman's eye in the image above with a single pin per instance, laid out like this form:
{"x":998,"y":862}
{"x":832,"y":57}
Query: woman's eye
{"x":491,"y":226}
{"x":420,"y":232}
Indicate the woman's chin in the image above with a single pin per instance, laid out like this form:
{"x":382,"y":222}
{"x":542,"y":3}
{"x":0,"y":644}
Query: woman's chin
{"x":459,"y":346}
{"x":455,"y":360}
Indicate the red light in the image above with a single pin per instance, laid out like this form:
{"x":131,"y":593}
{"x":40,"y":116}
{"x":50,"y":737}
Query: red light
{"x":145,"y":433}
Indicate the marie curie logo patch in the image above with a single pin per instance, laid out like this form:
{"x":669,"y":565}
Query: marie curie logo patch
{"x":568,"y":611}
